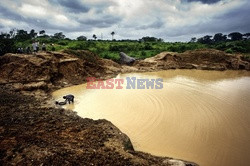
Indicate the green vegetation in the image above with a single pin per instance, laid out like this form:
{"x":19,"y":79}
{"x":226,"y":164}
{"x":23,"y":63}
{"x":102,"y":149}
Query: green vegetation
{"x":143,"y":48}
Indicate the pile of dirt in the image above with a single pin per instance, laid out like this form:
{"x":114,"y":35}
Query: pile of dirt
{"x":203,"y":59}
{"x":53,"y":69}
{"x":34,"y":135}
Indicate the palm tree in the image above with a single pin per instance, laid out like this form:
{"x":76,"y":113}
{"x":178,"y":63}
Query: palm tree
{"x":94,"y":36}
{"x":113,"y":33}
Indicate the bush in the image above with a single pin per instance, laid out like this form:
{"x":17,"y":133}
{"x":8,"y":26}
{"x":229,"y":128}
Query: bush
{"x":143,"y":53}
{"x":53,"y":48}
{"x":63,"y":43}
{"x":229,"y":51}
{"x":148,"y":46}
{"x":239,"y":49}
{"x":77,"y":46}
{"x":6,"y":46}
{"x":114,"y":48}
{"x":108,"y":55}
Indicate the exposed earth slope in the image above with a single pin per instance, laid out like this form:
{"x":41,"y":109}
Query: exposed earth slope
{"x":34,"y":132}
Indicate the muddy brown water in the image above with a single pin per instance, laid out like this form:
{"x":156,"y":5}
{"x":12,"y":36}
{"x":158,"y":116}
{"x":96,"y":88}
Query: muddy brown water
{"x":200,"y":116}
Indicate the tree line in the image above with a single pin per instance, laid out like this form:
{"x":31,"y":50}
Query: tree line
{"x":9,"y":42}
{"x":219,"y":37}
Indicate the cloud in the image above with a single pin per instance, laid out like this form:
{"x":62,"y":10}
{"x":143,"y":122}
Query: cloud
{"x":74,"y":6}
{"x":205,"y":1}
{"x":231,"y":17}
{"x":171,"y":20}
{"x":9,"y":14}
{"x":154,"y":25}
{"x":100,"y":22}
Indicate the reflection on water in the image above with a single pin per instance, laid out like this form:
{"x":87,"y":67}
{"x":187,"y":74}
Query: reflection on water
{"x":201,"y":116}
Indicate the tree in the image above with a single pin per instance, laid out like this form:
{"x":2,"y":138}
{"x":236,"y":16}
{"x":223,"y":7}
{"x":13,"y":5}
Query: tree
{"x":82,"y":38}
{"x":42,"y":32}
{"x":149,"y":39}
{"x":22,"y":35}
{"x":94,"y":36}
{"x":247,"y":36}
{"x":235,"y":36}
{"x":160,"y":40}
{"x":7,"y":44}
{"x":219,"y":37}
{"x":205,"y":40}
{"x":193,"y":39}
{"x":113,"y":33}
{"x":32,"y":34}
{"x":59,"y":35}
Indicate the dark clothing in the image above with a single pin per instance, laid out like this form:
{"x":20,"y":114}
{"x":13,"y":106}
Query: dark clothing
{"x":69,"y":98}
{"x":43,"y":48}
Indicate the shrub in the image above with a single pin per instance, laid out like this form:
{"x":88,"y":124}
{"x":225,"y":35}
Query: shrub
{"x":53,"y":48}
{"x":239,"y":49}
{"x":63,"y":43}
{"x":77,"y":46}
{"x":229,"y":51}
{"x":148,"y":46}
{"x":143,"y":53}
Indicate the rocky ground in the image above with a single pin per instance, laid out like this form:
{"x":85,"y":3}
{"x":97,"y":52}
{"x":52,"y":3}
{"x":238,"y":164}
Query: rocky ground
{"x":34,"y":132}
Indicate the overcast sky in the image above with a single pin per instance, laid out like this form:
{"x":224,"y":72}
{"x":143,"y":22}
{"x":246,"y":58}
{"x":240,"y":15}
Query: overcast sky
{"x":172,"y":20}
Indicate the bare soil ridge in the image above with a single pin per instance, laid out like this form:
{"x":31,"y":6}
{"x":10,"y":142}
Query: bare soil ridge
{"x":57,"y":69}
{"x":53,"y":69}
{"x":203,"y":59}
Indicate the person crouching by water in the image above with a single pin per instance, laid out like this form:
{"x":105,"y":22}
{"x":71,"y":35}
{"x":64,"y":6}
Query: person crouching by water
{"x":68,"y":98}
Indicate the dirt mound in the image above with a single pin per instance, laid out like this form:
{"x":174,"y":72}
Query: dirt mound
{"x":53,"y":69}
{"x":204,"y":59}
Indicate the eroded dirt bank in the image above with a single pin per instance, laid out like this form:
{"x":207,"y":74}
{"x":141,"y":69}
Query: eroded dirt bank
{"x":31,"y":134}
{"x":204,"y":59}
{"x":52,"y":70}
{"x":32,"y":131}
